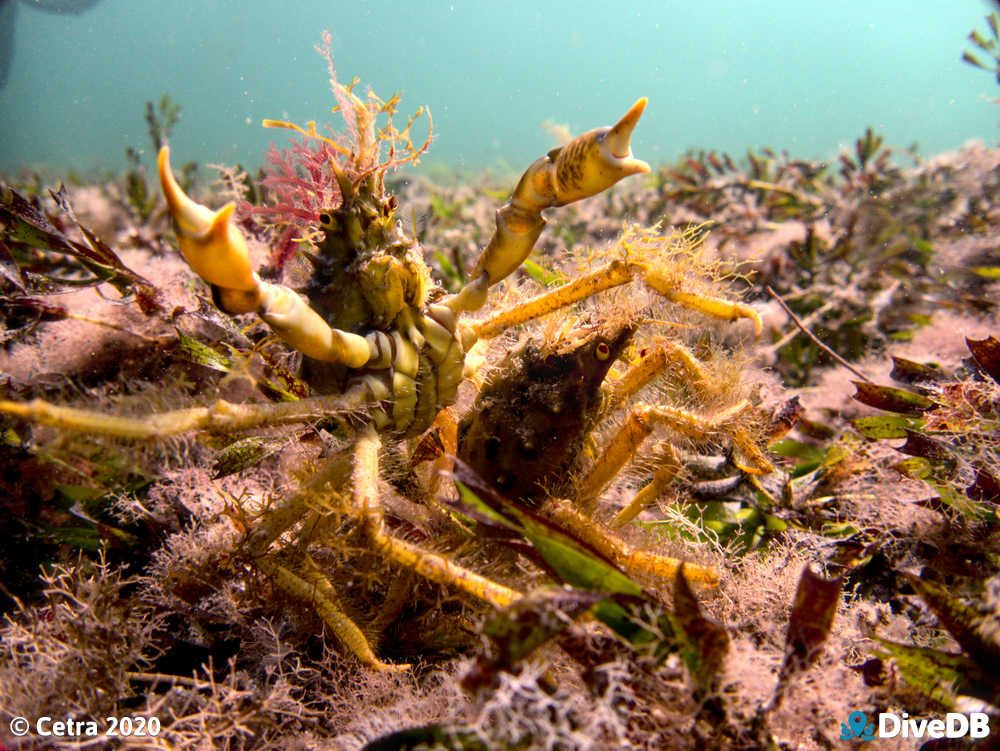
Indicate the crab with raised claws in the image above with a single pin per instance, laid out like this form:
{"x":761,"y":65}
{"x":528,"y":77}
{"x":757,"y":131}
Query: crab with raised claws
{"x":383,"y":347}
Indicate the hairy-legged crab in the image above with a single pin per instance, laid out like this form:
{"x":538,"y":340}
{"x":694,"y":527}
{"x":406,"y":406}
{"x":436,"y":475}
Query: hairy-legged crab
{"x":385,"y":349}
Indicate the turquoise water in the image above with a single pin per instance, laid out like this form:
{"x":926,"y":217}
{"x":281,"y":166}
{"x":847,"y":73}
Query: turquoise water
{"x":720,"y":74}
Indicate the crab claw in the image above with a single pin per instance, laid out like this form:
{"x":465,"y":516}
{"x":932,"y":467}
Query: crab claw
{"x":590,"y":163}
{"x":209,"y":241}
{"x":597,"y":159}
{"x":217,"y":251}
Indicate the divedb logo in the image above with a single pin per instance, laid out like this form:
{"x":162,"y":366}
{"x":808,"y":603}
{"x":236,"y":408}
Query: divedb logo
{"x":893,"y":725}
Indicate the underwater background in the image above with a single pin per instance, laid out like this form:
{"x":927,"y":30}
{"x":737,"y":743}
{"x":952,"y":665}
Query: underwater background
{"x":827,"y":468}
{"x":724,"y":75}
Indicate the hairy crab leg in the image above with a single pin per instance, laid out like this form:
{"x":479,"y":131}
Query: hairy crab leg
{"x":614,"y":274}
{"x":717,"y":307}
{"x":221,"y":416}
{"x":620,"y":552}
{"x":357,"y":470}
{"x":334,"y":474}
{"x":669,"y":465}
{"x":313,"y":588}
{"x":639,"y":425}
{"x":639,"y":374}
{"x":217,"y":251}
{"x":611,"y":275}
{"x":643,"y":370}
{"x":433,"y":566}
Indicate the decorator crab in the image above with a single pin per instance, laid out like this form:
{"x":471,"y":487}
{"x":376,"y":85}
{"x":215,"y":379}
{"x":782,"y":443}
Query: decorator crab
{"x":384,"y":349}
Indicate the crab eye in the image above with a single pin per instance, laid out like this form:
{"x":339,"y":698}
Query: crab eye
{"x":603,"y":351}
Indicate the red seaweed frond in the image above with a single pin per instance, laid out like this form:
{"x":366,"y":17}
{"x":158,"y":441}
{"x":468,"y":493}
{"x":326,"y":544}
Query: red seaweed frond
{"x":300,"y":182}
{"x":302,"y":179}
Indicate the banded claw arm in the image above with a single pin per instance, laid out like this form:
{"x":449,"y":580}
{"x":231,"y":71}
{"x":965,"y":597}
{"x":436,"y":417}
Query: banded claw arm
{"x":589,"y":164}
{"x":216,"y":250}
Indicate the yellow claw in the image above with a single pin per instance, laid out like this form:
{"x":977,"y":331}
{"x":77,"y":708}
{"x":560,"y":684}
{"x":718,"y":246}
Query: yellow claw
{"x":209,"y":241}
{"x":590,"y":163}
{"x":619,"y":138}
{"x":596,"y":160}
{"x":217,"y":251}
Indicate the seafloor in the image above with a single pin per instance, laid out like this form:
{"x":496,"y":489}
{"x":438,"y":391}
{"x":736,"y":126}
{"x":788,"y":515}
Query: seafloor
{"x":126,"y":592}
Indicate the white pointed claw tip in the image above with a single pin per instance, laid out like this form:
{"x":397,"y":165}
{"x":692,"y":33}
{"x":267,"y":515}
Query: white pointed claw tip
{"x":620,"y":136}
{"x":219,"y":226}
{"x":190,"y":219}
{"x":633,"y":166}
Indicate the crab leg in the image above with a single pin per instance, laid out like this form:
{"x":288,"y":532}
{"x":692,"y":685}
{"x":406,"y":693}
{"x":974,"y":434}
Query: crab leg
{"x":623,"y":554}
{"x":614,"y":274}
{"x":643,"y":370}
{"x":640,"y":424}
{"x":217,"y":251}
{"x":314,"y":589}
{"x":590,"y":163}
{"x":652,"y":490}
{"x":433,"y":566}
{"x":358,"y":471}
{"x":220,"y":416}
